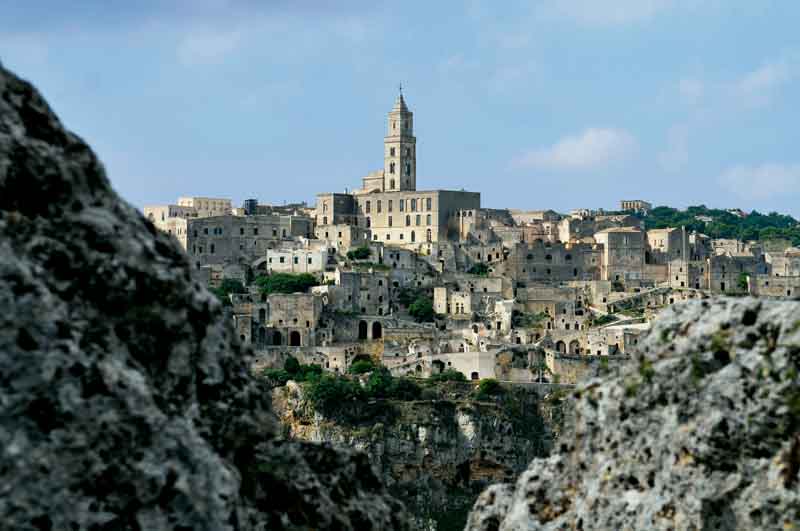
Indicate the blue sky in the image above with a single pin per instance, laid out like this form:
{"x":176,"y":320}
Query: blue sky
{"x":542,"y":104}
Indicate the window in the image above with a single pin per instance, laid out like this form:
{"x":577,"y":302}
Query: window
{"x":241,"y":231}
{"x":391,"y":167}
{"x":324,"y":207}
{"x":408,"y":168}
{"x":408,"y":221}
{"x":390,"y":221}
{"x":391,"y":186}
{"x":324,"y":222}
{"x":391,"y":152}
{"x":205,"y":231}
{"x":429,"y":219}
{"x":408,"y":150}
{"x":275,"y":231}
{"x":212,"y":248}
{"x":282,"y":260}
{"x":378,"y":206}
{"x":368,"y":208}
{"x":296,"y":260}
{"x":429,"y":204}
{"x":419,"y":220}
{"x":255,"y":231}
{"x":402,"y":205}
{"x":390,"y":201}
{"x":309,"y":261}
{"x":413,"y":205}
{"x":369,"y":223}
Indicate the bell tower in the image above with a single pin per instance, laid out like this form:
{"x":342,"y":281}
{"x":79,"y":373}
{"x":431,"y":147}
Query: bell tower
{"x":400,"y":149}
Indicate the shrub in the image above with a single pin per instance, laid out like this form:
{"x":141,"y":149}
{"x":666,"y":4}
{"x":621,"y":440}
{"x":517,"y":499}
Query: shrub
{"x":276,"y":377}
{"x":329,"y":392}
{"x":405,"y":389}
{"x":488,"y":387}
{"x":361,"y":366}
{"x":604,"y":319}
{"x":285,"y":283}
{"x":422,"y":310}
{"x":479,"y":269}
{"x":226,"y":287}
{"x":291,"y":365}
{"x":360,"y":253}
{"x":448,"y":375}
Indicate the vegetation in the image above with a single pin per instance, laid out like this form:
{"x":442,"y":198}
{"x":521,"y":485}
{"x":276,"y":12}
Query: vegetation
{"x":604,"y":320}
{"x":755,"y":226}
{"x":226,"y":287}
{"x":407,"y":296}
{"x":422,"y":310}
{"x":742,"y":281}
{"x":488,"y":387}
{"x":285,"y":283}
{"x":293,"y":370}
{"x":361,"y":366}
{"x":359,"y":253}
{"x":480,"y":269}
{"x":448,"y":375}
{"x":330,"y":392}
{"x":528,"y":320}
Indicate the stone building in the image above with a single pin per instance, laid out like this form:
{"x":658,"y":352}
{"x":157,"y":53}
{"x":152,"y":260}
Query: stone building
{"x":636,"y":205}
{"x":623,"y":253}
{"x":221,"y":239}
{"x":666,"y":245}
{"x":389,"y":204}
{"x":315,"y":260}
{"x":207,"y":206}
{"x":343,"y":237}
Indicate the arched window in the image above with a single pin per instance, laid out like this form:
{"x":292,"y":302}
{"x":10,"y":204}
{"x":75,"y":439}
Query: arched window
{"x":413,"y":205}
{"x":408,"y":169}
{"x":391,"y":184}
{"x":325,"y":220}
{"x":369,"y":223}
{"x":549,"y":257}
{"x":413,"y":236}
{"x":429,"y":219}
{"x":391,"y":167}
{"x":429,"y":236}
{"x":408,"y":221}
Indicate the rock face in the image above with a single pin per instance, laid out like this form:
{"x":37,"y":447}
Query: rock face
{"x":125,"y":402}
{"x":701,"y":432}
{"x":436,"y":455}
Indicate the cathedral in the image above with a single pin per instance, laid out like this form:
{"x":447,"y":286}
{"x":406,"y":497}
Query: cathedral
{"x":389,"y":206}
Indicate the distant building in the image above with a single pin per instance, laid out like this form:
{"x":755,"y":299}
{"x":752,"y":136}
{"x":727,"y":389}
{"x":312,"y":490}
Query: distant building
{"x":389,"y":204}
{"x":635,"y":205}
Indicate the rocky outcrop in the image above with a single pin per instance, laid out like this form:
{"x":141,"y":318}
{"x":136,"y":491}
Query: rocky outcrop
{"x":701,"y":431}
{"x":125,"y":402}
{"x":438,"y":454}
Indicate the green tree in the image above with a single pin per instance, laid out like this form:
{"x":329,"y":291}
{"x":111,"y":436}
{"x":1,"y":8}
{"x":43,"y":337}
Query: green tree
{"x":285,"y":283}
{"x":226,"y":287}
{"x":359,"y":253}
{"x":479,"y":269}
{"x":422,"y":310}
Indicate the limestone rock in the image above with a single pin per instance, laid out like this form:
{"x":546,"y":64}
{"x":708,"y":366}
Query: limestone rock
{"x":125,"y":403}
{"x":701,"y":431}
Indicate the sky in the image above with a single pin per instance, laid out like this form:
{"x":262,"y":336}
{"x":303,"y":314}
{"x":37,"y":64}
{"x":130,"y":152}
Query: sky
{"x":536,"y":104}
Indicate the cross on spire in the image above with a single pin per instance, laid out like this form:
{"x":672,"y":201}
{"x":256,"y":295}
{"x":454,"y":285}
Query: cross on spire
{"x":401,"y":88}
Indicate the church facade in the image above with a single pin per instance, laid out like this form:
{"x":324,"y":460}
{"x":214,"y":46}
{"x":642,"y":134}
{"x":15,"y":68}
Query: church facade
{"x":389,"y":204}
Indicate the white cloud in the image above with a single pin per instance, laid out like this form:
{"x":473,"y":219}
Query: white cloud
{"x":207,"y":46}
{"x":676,"y":155}
{"x":762,"y":182}
{"x":758,"y":86}
{"x":608,"y":12}
{"x":592,"y":148}
{"x":691,"y":90}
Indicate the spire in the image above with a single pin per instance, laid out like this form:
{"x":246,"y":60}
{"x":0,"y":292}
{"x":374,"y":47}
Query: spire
{"x":400,"y":103}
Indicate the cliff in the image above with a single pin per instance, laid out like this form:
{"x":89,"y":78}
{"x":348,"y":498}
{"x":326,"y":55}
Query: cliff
{"x":126,"y":403}
{"x":436,"y":454}
{"x":700,"y":431}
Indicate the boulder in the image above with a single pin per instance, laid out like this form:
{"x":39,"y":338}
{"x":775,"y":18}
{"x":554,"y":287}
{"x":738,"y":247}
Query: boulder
{"x":125,"y":400}
{"x":700,"y":431}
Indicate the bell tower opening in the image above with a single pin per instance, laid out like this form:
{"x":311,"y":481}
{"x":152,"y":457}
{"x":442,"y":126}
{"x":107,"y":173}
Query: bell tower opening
{"x":400,"y":150}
